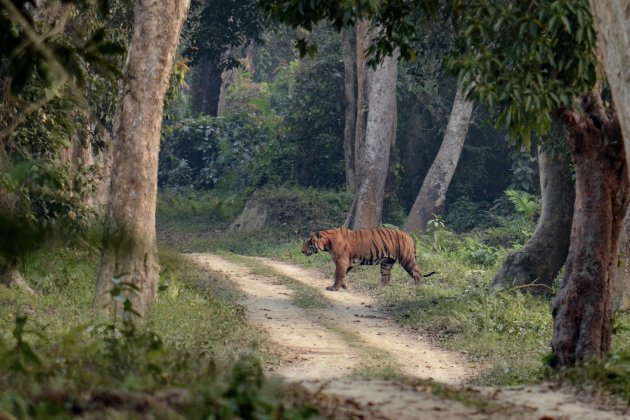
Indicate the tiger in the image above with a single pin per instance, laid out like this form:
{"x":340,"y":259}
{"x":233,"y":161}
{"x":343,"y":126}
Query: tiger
{"x":350,"y":248}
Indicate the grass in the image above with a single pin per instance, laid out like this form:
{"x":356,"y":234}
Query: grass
{"x":507,"y":333}
{"x":376,"y":363}
{"x":304,"y":296}
{"x":195,"y":356}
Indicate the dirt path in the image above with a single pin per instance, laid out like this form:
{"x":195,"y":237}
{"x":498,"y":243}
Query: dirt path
{"x":333,"y":349}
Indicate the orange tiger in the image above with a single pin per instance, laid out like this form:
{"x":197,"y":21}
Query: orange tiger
{"x":350,"y":248}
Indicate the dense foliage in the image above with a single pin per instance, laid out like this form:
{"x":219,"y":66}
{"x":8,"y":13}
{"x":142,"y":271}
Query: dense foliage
{"x":59,"y":65}
{"x":553,"y":63}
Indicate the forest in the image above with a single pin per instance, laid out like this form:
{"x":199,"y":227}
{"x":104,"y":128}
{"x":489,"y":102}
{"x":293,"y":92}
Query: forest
{"x":314,"y":209}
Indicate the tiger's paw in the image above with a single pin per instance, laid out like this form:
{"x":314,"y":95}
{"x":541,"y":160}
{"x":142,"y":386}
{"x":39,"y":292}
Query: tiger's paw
{"x":343,"y":286}
{"x":332,"y":288}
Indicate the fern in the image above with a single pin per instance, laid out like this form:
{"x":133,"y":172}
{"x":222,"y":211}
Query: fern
{"x":526,"y":204}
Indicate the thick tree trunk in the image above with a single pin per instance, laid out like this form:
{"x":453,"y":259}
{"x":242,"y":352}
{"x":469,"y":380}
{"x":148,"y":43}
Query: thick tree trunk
{"x":542,"y":257}
{"x":611,"y":19}
{"x":368,"y":203}
{"x":129,"y":250}
{"x":363,"y":72}
{"x":582,"y":310}
{"x":433,"y":192}
{"x":205,"y":88}
{"x":351,"y":106}
{"x":621,"y":285}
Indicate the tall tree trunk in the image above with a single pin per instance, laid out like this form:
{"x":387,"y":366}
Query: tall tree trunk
{"x":368,"y":203}
{"x":363,"y":38}
{"x":542,"y":257}
{"x":611,"y":19}
{"x":205,"y":87}
{"x":435,"y":184}
{"x":351,"y":106}
{"x":582,"y":310}
{"x":129,"y":250}
{"x":621,"y":285}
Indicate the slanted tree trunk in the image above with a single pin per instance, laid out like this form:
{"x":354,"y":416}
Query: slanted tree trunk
{"x":611,"y":19}
{"x":368,"y":201}
{"x":582,"y":310}
{"x":129,"y":250}
{"x":542,"y":257}
{"x":433,"y":191}
{"x":351,"y":106}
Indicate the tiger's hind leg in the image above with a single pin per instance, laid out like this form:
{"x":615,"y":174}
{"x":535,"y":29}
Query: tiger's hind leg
{"x":411,"y":267}
{"x":386,"y":269}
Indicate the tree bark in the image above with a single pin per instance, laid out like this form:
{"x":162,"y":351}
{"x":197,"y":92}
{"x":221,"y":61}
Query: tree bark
{"x":542,"y":257}
{"x":363,"y":71}
{"x":363,"y":89}
{"x":611,"y":19}
{"x":368,"y":201}
{"x":226,"y":80}
{"x":351,"y":107}
{"x":621,"y":285}
{"x":433,"y":191}
{"x":582,"y":310}
{"x":103,"y":161}
{"x":11,"y":277}
{"x":129,"y":250}
{"x":205,"y":89}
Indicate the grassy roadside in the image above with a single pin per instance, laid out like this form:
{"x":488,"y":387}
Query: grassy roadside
{"x":507,"y":333}
{"x":195,"y":355}
{"x":376,"y":363}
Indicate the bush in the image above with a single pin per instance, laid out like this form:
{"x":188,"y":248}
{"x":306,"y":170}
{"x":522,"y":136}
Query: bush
{"x":465,"y":215}
{"x":301,"y":210}
{"x":207,"y":152}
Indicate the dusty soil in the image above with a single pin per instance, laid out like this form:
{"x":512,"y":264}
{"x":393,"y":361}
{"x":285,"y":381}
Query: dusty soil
{"x":333,"y":353}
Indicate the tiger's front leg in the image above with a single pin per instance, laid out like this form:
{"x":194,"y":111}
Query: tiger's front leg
{"x":341,"y":267}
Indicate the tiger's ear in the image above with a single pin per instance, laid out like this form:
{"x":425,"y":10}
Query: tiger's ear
{"x":318,"y":235}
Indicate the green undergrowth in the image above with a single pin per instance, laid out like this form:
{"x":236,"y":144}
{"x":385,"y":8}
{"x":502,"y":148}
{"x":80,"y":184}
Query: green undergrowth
{"x":507,"y":332}
{"x":197,"y":221}
{"x":194,"y":356}
{"x":611,"y":374}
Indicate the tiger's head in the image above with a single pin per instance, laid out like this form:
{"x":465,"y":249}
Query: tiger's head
{"x":313,"y":244}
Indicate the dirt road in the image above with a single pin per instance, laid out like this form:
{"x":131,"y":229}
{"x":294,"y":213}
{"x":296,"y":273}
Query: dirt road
{"x":336,"y":347}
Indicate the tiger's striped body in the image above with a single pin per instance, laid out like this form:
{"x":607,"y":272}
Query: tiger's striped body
{"x":350,"y":248}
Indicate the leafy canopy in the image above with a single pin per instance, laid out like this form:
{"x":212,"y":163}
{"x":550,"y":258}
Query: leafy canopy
{"x":526,"y":60}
